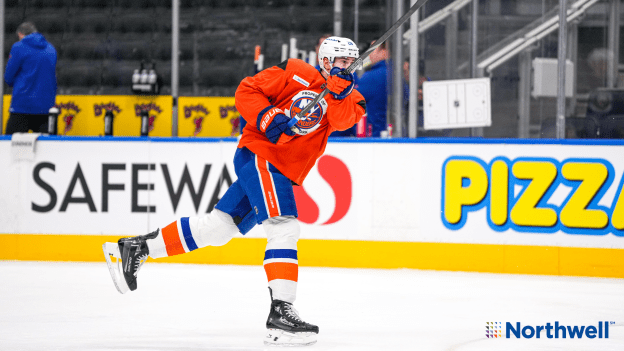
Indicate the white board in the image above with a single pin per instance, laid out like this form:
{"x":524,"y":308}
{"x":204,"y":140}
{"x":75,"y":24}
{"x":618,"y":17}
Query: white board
{"x":463,"y":103}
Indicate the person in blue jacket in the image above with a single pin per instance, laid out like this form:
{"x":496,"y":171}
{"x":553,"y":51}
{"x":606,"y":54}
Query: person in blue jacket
{"x":31,"y":71}
{"x":373,"y":86}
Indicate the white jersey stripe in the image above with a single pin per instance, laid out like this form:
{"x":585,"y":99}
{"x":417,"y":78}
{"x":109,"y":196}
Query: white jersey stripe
{"x":181,"y":235}
{"x":281,"y":260}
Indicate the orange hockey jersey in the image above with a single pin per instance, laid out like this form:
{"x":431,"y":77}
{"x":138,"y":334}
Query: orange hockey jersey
{"x":291,"y":85}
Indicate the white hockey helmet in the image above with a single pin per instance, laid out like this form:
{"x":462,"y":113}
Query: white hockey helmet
{"x":333,"y":47}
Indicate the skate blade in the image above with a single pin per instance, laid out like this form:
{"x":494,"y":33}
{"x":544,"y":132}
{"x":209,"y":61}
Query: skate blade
{"x":112,"y":250}
{"x":278,"y":337}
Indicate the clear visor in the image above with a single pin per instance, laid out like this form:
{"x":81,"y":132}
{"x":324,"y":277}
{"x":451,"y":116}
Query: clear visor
{"x":344,"y":62}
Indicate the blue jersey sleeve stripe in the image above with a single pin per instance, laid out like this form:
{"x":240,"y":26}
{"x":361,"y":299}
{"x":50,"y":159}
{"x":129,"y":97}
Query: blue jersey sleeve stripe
{"x":186,"y":232}
{"x":281,"y":253}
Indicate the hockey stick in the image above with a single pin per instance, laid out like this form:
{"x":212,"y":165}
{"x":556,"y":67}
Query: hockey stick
{"x":301,"y":115}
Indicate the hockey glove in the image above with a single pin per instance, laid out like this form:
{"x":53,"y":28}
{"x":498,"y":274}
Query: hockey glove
{"x":340,"y":85}
{"x":273,"y":123}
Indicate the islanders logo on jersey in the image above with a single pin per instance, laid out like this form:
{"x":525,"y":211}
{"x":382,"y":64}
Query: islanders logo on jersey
{"x":313,"y":120}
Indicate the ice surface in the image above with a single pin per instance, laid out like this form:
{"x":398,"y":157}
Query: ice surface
{"x":74,"y":306}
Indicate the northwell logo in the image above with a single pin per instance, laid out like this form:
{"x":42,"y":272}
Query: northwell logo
{"x":493,"y":330}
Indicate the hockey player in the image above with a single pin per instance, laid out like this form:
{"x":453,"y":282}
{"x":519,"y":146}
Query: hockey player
{"x":270,"y":159}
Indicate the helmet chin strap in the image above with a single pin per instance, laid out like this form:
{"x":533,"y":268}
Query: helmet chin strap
{"x":332,"y":65}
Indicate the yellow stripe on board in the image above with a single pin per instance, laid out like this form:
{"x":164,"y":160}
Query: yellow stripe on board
{"x":519,"y":259}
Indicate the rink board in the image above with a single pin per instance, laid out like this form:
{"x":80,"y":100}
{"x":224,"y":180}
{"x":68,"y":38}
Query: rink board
{"x":83,"y":115}
{"x":508,"y":206}
{"x":515,"y":259}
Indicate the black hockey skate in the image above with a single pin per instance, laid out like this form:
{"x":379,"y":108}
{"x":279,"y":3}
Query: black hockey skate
{"x":285,"y":327}
{"x":130,"y":253}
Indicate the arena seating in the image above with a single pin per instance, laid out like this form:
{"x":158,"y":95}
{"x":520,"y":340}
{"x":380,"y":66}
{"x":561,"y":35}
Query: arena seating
{"x":101,"y":42}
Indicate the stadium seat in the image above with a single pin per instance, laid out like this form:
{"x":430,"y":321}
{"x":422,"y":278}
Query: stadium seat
{"x":133,"y":50}
{"x":211,"y":50}
{"x":86,"y":49}
{"x":163,"y":68}
{"x":211,"y":75}
{"x":272,"y":19}
{"x":51,"y":23}
{"x":371,"y":27}
{"x":187,"y":23}
{"x":80,"y":22}
{"x":317,"y":3}
{"x":278,"y":3}
{"x":186,"y":73}
{"x":118,"y":73}
{"x":48,"y":3}
{"x":143,"y":4}
{"x":12,"y":19}
{"x":186,"y":49}
{"x":232,"y":4}
{"x":370,"y":3}
{"x":162,"y":49}
{"x":187,"y":3}
{"x":133,"y":23}
{"x":162,"y":20}
{"x":91,"y":3}
{"x":62,"y":77}
{"x":162,"y":3}
{"x":116,"y":35}
{"x":79,"y":73}
{"x":55,"y":39}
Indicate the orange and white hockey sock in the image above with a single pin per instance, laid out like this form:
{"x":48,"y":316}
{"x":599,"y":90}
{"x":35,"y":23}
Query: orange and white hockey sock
{"x":191,"y":233}
{"x":282,"y":270}
{"x":280,"y":258}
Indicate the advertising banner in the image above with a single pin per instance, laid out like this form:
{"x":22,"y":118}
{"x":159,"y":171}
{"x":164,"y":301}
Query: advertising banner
{"x":529,"y":194}
{"x":83,"y":115}
{"x":207,"y":117}
{"x":560,"y":195}
{"x":489,"y":202}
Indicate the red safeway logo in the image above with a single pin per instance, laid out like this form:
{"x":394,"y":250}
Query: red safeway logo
{"x":337,"y":175}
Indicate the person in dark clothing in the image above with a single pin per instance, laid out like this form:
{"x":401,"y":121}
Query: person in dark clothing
{"x":375,"y":90}
{"x":31,"y":71}
{"x":374,"y":85}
